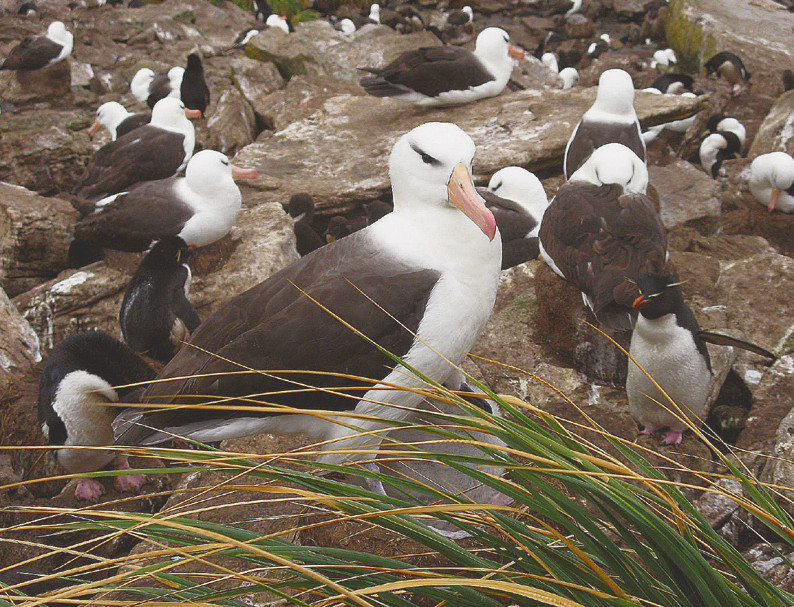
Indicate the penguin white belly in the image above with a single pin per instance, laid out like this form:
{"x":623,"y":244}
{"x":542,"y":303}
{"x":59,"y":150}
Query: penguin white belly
{"x":669,"y":354}
{"x":81,"y":403}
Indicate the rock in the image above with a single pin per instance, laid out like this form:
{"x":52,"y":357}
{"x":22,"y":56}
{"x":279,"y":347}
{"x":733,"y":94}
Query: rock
{"x":628,"y":10}
{"x":263,"y":243}
{"x":759,"y":31}
{"x":776,"y":133}
{"x":755,"y":288}
{"x":687,"y":195}
{"x":232,"y":125}
{"x":579,"y":26}
{"x":43,"y":149}
{"x":255,"y":81}
{"x":75,"y":301}
{"x":523,"y":128}
{"x":19,"y":345}
{"x":780,"y":468}
{"x":301,"y":98}
{"x":34,"y":237}
{"x":769,"y":425}
{"x":317,"y":49}
{"x":82,"y":74}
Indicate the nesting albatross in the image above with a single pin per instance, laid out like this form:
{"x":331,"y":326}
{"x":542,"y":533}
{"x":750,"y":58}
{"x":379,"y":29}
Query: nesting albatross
{"x":200,"y":208}
{"x":38,"y":52}
{"x":447,"y":75}
{"x":155,"y":151}
{"x":430,"y":267}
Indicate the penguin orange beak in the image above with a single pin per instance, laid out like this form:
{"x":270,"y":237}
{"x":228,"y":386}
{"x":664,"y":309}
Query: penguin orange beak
{"x":516,"y":52}
{"x":773,"y":199}
{"x":92,"y":130}
{"x":238,"y":173}
{"x":462,"y":194}
{"x":640,"y":302}
{"x":192,"y":114}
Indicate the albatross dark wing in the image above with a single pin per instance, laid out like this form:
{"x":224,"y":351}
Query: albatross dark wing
{"x":32,"y":54}
{"x":592,"y":135}
{"x":429,"y":71}
{"x":145,"y":154}
{"x":275,"y":326}
{"x":601,"y":239}
{"x":134,"y":219}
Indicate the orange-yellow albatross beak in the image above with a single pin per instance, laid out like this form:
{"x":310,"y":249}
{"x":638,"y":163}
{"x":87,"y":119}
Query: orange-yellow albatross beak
{"x":93,"y":129}
{"x":193,"y":114}
{"x":516,"y":52}
{"x":238,"y":173}
{"x":463,"y":195}
{"x":773,"y":199}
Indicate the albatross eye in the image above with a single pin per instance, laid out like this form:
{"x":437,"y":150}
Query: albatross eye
{"x":225,"y":162}
{"x":427,"y":158}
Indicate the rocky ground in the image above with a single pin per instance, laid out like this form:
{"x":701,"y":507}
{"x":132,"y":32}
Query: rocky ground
{"x":289,"y":106}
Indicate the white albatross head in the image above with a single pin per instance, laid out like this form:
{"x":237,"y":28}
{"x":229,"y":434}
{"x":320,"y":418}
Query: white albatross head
{"x":770,"y":176}
{"x":494,"y":49}
{"x":615,"y":95}
{"x":521,"y":186}
{"x":614,"y":163}
{"x":57,"y":33}
{"x":109,"y":115}
{"x":139,"y":85}
{"x":430,"y":168}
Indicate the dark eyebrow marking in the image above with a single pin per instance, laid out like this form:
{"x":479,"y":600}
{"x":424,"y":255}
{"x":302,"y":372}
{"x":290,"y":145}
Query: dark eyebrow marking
{"x":426,"y":158}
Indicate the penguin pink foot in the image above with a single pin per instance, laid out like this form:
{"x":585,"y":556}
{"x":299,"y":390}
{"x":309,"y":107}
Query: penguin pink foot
{"x":127,"y":483}
{"x":89,"y":489}
{"x":672,"y":437}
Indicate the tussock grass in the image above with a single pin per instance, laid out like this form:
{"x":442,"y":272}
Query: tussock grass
{"x":587,"y":525}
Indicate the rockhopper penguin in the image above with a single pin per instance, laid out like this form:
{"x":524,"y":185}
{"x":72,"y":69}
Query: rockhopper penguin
{"x":84,"y":373}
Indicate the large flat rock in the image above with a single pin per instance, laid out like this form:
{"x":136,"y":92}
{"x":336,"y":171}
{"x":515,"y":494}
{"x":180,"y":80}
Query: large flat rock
{"x":340,"y":153}
{"x":759,"y":31}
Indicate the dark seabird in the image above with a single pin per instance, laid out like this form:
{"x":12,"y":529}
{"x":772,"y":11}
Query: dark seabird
{"x":200,"y":208}
{"x":193,"y":90}
{"x":667,"y":344}
{"x":301,"y":209}
{"x":154,"y":151}
{"x":156,"y":316}
{"x":447,"y":75}
{"x":38,"y":52}
{"x":420,"y":282}
{"x":117,"y":120}
{"x":518,"y":201}
{"x":611,"y":119}
{"x":788,"y":80}
{"x":716,"y":149}
{"x":375,"y":210}
{"x":338,"y":227}
{"x":600,"y":232}
{"x":728,"y":66}
{"x":674,"y":83}
{"x":772,"y":181}
{"x":83,"y":374}
{"x":262,"y":10}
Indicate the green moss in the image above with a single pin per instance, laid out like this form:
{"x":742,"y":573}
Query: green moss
{"x":287,"y":66}
{"x":691,"y":42}
{"x":188,"y":17}
{"x":525,"y":306}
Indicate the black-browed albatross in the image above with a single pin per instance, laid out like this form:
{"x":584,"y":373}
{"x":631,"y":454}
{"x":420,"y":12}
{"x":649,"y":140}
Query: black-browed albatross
{"x":154,"y":151}
{"x":430,"y":267}
{"x":600,"y":232}
{"x":447,"y":75}
{"x":611,"y":119}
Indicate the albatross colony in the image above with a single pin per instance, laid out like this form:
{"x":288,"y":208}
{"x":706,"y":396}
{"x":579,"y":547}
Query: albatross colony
{"x":420,"y":282}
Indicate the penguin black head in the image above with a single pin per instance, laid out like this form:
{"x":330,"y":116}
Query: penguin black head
{"x":659,"y":295}
{"x":170,"y":249}
{"x":301,"y":204}
{"x":338,"y":227}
